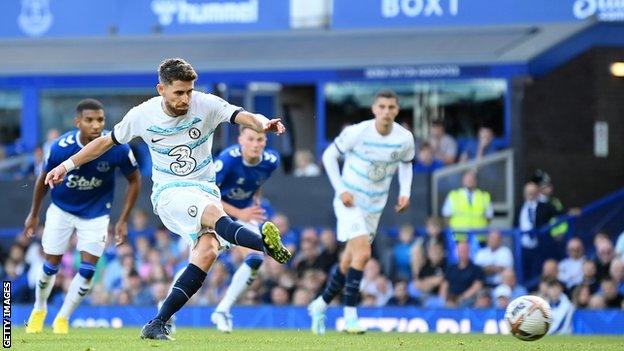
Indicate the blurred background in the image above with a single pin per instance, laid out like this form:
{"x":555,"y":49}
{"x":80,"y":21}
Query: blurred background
{"x":522,"y":91}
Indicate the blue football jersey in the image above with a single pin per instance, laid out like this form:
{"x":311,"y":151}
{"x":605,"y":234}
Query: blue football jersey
{"x":87,"y":192}
{"x":238,"y":181}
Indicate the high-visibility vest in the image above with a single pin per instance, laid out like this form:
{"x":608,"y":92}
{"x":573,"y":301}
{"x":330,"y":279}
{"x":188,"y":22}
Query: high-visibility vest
{"x":468,"y":215}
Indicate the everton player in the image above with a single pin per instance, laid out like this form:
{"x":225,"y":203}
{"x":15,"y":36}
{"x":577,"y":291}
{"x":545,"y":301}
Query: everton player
{"x":241,"y":171}
{"x":82,"y":203}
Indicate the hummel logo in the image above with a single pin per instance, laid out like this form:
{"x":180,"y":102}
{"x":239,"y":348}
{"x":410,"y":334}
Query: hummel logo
{"x":83,"y":291}
{"x":157,"y":140}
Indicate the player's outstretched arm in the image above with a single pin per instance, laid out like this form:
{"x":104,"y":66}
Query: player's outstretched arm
{"x":132,"y":192}
{"x":88,"y":153}
{"x":259,"y":123}
{"x":32,"y":221}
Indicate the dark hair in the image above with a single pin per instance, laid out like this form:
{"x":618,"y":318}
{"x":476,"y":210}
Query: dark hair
{"x":388,"y":94}
{"x":173,"y":69}
{"x":437,"y":122}
{"x":88,"y":104}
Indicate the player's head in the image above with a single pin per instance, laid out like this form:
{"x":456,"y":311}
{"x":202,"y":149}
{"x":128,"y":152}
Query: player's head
{"x":252,"y":143}
{"x":176,"y":81}
{"x":90,"y":118}
{"x":386,"y":107}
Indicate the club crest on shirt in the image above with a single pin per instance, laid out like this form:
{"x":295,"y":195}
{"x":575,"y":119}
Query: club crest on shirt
{"x":192,"y":211}
{"x":103,"y":166}
{"x":194,"y":133}
{"x":377,"y":172}
{"x":394,"y":155}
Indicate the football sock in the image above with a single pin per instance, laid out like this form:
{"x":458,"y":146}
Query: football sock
{"x":45,"y":283}
{"x":350,"y":312}
{"x":237,"y":234}
{"x":241,"y":280}
{"x":186,"y":286}
{"x":334,"y":285}
{"x":352,"y":287}
{"x":78,"y":289}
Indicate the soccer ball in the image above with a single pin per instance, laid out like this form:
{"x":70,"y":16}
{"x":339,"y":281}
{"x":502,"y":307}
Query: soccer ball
{"x":529,"y":317}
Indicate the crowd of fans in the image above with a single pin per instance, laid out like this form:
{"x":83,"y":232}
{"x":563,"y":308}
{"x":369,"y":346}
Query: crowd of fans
{"x":410,"y":268}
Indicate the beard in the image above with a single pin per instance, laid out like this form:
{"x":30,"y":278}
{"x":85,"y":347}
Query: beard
{"x":174,"y":111}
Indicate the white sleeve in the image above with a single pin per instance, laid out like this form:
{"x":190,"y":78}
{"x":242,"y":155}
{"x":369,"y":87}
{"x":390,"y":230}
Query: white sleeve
{"x":332,"y":168}
{"x":410,"y":152}
{"x":215,"y":108}
{"x":347,"y":139}
{"x":405,"y":179}
{"x":127,"y":129}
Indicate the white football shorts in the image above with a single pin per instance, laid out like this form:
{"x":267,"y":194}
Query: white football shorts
{"x":180,"y":210}
{"x":60,"y":225}
{"x":353,"y":222}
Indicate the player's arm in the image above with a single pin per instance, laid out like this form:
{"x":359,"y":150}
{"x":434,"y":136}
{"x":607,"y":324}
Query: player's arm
{"x":405,"y":186}
{"x":90,"y":152}
{"x":332,"y":168}
{"x":132,"y":192}
{"x":258,"y":122}
{"x":39,"y":192}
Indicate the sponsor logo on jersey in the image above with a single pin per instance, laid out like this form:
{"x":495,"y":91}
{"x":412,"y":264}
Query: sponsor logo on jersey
{"x":35,"y":17}
{"x":81,"y":183}
{"x":239,"y":194}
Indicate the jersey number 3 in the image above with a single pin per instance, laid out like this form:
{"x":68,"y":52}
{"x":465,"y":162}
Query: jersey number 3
{"x":184,"y":163}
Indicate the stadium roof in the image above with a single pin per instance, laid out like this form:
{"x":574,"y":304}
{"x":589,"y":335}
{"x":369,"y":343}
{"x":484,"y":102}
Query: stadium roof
{"x":322,"y":49}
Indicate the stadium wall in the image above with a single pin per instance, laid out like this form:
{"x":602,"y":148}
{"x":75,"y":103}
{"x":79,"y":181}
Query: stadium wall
{"x":386,"y":319}
{"x":559,"y":113}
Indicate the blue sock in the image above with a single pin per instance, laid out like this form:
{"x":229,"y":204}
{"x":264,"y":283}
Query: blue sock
{"x":254,"y":260}
{"x":49,"y":268}
{"x":237,"y":234}
{"x":352,"y":287}
{"x":334,"y":285}
{"x":187,"y":285}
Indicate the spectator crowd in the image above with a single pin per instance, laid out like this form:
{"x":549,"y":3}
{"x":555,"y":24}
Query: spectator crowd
{"x":412,"y":267}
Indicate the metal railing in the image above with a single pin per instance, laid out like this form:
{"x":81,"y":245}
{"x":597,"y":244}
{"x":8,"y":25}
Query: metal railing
{"x":495,"y":175}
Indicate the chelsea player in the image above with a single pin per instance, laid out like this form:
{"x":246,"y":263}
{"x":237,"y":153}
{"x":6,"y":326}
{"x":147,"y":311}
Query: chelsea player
{"x":241,"y":171}
{"x":178,"y":126}
{"x":82,"y":203}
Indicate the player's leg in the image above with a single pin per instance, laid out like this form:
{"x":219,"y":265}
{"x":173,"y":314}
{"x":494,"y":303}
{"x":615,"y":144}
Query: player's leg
{"x":190,"y":281}
{"x":57,"y":231}
{"x":269,"y":241}
{"x":335,"y":284}
{"x":360,"y":248}
{"x":79,"y":287}
{"x":241,"y":280}
{"x":91,"y":235}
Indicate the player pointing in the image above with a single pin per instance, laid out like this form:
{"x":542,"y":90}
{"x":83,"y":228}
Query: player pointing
{"x":178,"y":127}
{"x":82,"y":204}
{"x":373,"y":150}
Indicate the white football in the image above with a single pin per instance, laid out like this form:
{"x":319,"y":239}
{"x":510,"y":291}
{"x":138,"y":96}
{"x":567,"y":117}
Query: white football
{"x":529,"y":317}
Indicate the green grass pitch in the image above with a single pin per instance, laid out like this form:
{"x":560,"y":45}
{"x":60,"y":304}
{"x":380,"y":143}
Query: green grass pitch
{"x":188,"y":339}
